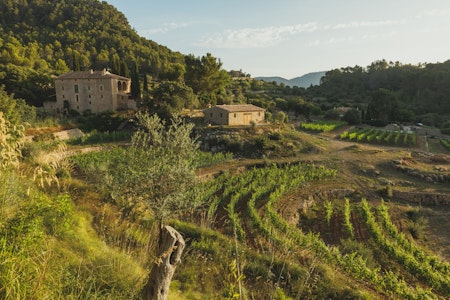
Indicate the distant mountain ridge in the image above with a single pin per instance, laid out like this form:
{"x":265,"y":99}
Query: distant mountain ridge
{"x":304,"y":81}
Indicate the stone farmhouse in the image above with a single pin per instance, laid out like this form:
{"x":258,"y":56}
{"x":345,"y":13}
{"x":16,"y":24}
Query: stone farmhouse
{"x":94,"y":91}
{"x":234,"y":115}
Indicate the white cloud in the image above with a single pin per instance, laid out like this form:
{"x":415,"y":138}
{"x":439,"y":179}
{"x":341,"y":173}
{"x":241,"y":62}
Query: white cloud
{"x":271,"y":36}
{"x":435,"y":13}
{"x":351,"y":39}
{"x":379,"y":35}
{"x":366,"y":24}
{"x":165,"y":28}
{"x":255,"y":37}
{"x":334,"y":40}
{"x":314,"y":43}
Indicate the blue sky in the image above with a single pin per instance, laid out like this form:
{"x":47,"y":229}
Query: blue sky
{"x":290,"y":38}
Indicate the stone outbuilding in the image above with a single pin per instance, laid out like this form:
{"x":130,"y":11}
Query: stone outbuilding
{"x":94,"y":91}
{"x":234,"y":115}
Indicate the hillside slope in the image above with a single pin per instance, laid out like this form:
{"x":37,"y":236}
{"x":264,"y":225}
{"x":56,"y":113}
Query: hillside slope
{"x":303,"y":81}
{"x":40,"y":39}
{"x":296,"y":209}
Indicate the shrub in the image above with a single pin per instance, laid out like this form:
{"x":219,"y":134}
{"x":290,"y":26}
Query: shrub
{"x":353,"y":117}
{"x":349,"y":246}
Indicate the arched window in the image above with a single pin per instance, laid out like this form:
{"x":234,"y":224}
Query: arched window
{"x":119,"y":85}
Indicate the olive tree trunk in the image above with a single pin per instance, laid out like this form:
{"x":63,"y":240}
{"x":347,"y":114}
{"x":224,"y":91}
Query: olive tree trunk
{"x":169,"y":256}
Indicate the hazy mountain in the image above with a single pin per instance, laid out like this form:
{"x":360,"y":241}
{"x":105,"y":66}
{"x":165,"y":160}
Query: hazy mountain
{"x":302,"y":81}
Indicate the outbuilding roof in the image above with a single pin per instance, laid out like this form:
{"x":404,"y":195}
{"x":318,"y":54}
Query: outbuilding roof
{"x":91,"y":74}
{"x":239,"y":107}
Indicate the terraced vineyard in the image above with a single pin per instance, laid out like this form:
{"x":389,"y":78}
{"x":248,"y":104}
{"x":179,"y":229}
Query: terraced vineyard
{"x":322,"y":126}
{"x":379,"y":136}
{"x":245,"y":207}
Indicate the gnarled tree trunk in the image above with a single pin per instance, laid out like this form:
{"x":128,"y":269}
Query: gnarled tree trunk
{"x":169,"y":256}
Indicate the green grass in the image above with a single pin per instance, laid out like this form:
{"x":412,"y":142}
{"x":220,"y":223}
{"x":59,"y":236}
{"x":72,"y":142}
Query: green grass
{"x":49,"y":249}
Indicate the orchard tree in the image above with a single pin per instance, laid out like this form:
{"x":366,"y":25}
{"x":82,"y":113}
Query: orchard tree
{"x":158,"y":170}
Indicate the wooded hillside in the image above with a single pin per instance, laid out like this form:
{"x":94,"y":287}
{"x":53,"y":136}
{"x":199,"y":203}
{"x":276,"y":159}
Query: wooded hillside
{"x":290,"y":209}
{"x":390,"y":91}
{"x":40,"y":39}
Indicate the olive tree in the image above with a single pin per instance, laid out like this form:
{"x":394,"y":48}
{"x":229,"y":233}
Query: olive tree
{"x":158,"y":170}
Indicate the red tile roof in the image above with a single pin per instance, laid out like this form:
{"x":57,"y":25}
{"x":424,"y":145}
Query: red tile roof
{"x":239,"y":107}
{"x":91,"y":75}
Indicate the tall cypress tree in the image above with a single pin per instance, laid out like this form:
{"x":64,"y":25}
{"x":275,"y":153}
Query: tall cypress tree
{"x":124,"y":71}
{"x":76,"y":62}
{"x":116,"y":64}
{"x":135,"y":85}
{"x":145,"y":88}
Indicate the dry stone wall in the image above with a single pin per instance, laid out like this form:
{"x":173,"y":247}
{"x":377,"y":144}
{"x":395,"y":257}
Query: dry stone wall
{"x":422,"y":198}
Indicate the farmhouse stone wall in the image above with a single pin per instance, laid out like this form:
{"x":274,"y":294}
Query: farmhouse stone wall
{"x":234,"y":115}
{"x":94,"y":91}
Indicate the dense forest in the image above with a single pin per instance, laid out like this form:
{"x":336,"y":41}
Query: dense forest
{"x":390,"y":91}
{"x":315,"y":208}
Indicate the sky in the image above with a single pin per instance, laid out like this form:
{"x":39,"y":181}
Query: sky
{"x":289,"y":38}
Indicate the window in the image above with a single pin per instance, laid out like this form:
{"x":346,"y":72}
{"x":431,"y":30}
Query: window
{"x":89,"y":96}
{"x":101,"y":96}
{"x":235,"y":115}
{"x":77,"y":97}
{"x":210,"y":114}
{"x":259,"y":114}
{"x":76,"y":88}
{"x":90,"y":102}
{"x":221,"y":115}
{"x":101,"y":88}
